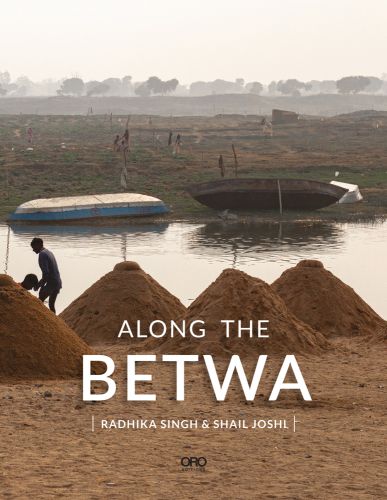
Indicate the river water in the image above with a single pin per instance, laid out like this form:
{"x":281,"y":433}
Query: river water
{"x":185,"y":258}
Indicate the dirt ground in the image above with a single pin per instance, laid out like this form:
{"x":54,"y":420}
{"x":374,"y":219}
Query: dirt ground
{"x":48,"y":449}
{"x":73,"y":155}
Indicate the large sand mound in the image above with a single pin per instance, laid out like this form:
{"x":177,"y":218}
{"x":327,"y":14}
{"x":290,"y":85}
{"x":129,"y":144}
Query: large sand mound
{"x":237,"y":296}
{"x":34,"y":343}
{"x":324,"y":302}
{"x":126,"y":293}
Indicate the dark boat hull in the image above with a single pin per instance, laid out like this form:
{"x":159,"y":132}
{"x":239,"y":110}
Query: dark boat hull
{"x":266,"y":194}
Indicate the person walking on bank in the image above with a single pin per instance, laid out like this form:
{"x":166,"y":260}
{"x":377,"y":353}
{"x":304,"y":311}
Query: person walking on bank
{"x":51,"y":282}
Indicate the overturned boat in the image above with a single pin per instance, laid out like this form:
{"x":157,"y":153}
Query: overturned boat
{"x":266,"y":194}
{"x":89,"y":207}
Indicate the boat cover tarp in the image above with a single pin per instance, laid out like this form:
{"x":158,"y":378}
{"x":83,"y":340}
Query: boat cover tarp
{"x":353,"y":194}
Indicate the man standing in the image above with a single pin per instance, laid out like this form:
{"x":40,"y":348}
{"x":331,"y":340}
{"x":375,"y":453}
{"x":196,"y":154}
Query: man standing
{"x":30,"y":135}
{"x":51,"y":283}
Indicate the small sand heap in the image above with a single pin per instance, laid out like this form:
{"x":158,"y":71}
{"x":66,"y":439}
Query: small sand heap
{"x":324,"y":302}
{"x":237,"y":296}
{"x":126,"y":293}
{"x":34,"y":343}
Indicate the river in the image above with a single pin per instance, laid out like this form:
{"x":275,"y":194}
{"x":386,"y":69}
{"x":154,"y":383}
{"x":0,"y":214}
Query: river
{"x":185,"y":258}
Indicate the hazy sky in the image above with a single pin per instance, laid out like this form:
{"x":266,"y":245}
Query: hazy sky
{"x":194,"y":39}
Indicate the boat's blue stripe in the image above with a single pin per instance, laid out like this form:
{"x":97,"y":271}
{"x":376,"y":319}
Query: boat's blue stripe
{"x":90,"y":213}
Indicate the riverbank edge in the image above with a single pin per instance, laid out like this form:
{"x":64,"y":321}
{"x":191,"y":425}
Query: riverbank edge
{"x":248,"y":218}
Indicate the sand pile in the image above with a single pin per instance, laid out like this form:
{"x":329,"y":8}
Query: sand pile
{"x":237,"y":296}
{"x":34,"y":343}
{"x":324,"y":302}
{"x":126,"y":293}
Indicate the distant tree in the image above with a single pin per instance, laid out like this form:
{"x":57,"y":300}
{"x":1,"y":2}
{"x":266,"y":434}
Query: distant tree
{"x":239,"y":84}
{"x":308,"y":86}
{"x":72,"y":86}
{"x":5,"y":78}
{"x":218,"y":86}
{"x":99,"y":89}
{"x":375,"y":84}
{"x":155,"y":85}
{"x":127,"y":86}
{"x":200,"y":88}
{"x":313,"y":86}
{"x":2,"y":91}
{"x":142,"y":90}
{"x":290,"y":87}
{"x":182,"y":90}
{"x":170,"y":85}
{"x":256,"y":88}
{"x":328,"y":87}
{"x":20,"y":91}
{"x":90,"y":85}
{"x":272,"y":87}
{"x":5,"y":83}
{"x":24,"y":81}
{"x":11,"y":87}
{"x":46,"y":87}
{"x":158,"y":86}
{"x":114,"y":84}
{"x":352,"y":84}
{"x":23,"y":86}
{"x":224,"y":87}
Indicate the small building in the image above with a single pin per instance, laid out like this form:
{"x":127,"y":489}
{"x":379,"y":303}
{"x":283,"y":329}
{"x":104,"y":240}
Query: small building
{"x":283,"y":116}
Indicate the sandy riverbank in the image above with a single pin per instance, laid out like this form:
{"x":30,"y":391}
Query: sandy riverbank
{"x":338,"y":450}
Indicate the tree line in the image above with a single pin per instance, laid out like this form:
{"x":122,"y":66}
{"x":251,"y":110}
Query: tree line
{"x":76,"y":86}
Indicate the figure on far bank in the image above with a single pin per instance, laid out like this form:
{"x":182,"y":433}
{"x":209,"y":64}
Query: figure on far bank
{"x":178,"y":144}
{"x":267,"y":127}
{"x":30,"y":135}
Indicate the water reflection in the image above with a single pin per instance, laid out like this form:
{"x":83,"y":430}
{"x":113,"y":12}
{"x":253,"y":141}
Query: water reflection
{"x":97,"y":237}
{"x":257,"y":240}
{"x":186,"y":258}
{"x":80,"y":230}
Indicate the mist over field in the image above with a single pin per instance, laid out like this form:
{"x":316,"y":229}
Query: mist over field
{"x":126,"y":86}
{"x":142,"y":49}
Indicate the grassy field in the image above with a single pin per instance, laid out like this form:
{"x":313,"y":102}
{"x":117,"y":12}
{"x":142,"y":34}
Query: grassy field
{"x":73,"y":155}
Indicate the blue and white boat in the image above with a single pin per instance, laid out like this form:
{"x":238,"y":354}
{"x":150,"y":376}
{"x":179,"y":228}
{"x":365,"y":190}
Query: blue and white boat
{"x":89,"y":207}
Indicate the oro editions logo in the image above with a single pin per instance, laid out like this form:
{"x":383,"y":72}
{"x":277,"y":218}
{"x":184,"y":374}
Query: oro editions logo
{"x":196,"y":464}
